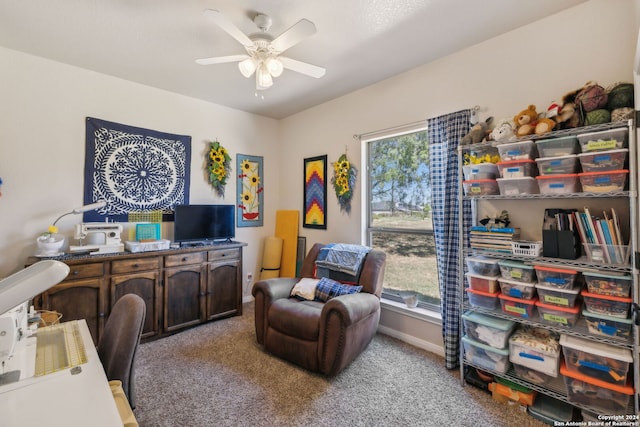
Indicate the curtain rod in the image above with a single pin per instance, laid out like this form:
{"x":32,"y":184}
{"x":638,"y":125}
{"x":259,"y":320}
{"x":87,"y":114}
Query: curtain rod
{"x":400,"y":128}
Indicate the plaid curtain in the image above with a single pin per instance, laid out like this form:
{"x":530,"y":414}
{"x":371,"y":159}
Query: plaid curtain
{"x":444,"y":132}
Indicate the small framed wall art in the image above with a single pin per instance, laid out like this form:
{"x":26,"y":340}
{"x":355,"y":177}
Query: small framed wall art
{"x":315,"y":192}
{"x":250,"y":189}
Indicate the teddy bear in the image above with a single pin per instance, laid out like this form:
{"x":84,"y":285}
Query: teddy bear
{"x":503,"y":132}
{"x":526,"y":121}
{"x":477,"y":134}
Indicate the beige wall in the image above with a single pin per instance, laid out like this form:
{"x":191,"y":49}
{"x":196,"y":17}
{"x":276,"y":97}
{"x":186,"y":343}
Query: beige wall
{"x":536,"y":64}
{"x":42,"y":146}
{"x":44,"y":104}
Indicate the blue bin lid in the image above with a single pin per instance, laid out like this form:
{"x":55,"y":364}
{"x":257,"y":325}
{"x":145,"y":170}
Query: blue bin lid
{"x":492,"y":322}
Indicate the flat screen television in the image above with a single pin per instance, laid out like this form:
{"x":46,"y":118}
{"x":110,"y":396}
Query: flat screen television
{"x":202,"y":224}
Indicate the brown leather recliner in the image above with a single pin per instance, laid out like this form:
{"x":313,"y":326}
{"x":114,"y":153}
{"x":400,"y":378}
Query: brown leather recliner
{"x":322,"y":337}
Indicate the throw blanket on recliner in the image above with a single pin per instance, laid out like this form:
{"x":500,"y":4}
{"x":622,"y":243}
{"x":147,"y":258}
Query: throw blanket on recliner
{"x":342,"y":257}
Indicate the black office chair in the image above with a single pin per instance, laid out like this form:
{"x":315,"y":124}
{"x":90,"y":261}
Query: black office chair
{"x":117,"y":346}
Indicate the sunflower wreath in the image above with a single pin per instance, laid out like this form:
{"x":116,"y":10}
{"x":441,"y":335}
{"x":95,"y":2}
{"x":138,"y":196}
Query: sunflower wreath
{"x":344,"y":182}
{"x":219,"y":167}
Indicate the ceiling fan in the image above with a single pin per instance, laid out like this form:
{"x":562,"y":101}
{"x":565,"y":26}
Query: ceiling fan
{"x":263,"y":51}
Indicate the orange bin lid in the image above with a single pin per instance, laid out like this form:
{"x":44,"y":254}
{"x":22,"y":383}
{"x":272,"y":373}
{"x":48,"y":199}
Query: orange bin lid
{"x":555,"y":269}
{"x":624,"y":389}
{"x":588,"y":294}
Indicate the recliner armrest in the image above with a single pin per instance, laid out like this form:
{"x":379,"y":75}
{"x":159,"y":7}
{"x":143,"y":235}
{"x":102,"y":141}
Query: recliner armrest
{"x":276,"y":288}
{"x":352,"y":307}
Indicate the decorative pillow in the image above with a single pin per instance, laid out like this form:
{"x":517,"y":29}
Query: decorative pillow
{"x":305,"y":289}
{"x":327,"y":289}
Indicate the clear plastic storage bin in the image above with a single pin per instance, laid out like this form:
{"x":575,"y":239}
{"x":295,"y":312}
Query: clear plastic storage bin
{"x":517,"y":168}
{"x":536,"y":348}
{"x":607,"y":305}
{"x":603,"y":140}
{"x":601,"y":324}
{"x":559,"y":184}
{"x":517,"y":289}
{"x":517,"y":270}
{"x":484,"y":266}
{"x":488,"y":330}
{"x":518,"y":307}
{"x":596,"y":360}
{"x":557,"y":165}
{"x":481,"y":299}
{"x":608,"y":284}
{"x":606,"y":398}
{"x":480,"y":171}
{"x":600,"y":161}
{"x":562,"y":297}
{"x":482,"y":283}
{"x":556,"y":315}
{"x":480,"y":187}
{"x":560,"y":278}
{"x":517,"y":186}
{"x":520,"y":150}
{"x":485,"y":356}
{"x":531,"y":375}
{"x":556,"y":147}
{"x":603,"y":182}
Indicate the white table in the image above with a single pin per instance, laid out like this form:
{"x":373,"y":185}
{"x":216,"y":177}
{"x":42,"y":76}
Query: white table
{"x":62,"y":398}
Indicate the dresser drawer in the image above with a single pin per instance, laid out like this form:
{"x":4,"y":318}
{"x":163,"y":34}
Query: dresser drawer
{"x":135,"y":264}
{"x":83,"y":271}
{"x":184,"y":259}
{"x":221,"y":254}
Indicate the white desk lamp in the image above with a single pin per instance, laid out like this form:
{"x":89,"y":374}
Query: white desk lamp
{"x":50,"y":243}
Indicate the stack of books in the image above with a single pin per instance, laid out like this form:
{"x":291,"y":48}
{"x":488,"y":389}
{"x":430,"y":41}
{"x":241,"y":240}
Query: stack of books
{"x":601,"y":237}
{"x":493,"y":239}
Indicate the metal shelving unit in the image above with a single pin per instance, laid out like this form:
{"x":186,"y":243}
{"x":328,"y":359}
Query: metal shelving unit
{"x":557,"y":388}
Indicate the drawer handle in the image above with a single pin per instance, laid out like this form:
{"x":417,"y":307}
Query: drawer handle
{"x":136,"y":265}
{"x":184,"y":259}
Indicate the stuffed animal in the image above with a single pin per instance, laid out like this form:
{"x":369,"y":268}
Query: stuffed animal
{"x":526,"y":121}
{"x":478,"y":133}
{"x":544,"y":125}
{"x":503,"y":132}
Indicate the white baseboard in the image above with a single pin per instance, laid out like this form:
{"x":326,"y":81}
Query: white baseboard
{"x":416,"y":342}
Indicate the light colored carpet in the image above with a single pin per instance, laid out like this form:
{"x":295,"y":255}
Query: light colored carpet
{"x":217,"y":375}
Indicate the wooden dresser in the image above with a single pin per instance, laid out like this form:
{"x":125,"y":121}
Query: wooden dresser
{"x":181,"y":287}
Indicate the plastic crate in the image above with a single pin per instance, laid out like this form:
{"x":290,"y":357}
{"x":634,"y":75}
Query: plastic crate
{"x":480,"y":171}
{"x":608,"y":284}
{"x":521,"y":247}
{"x":517,"y":168}
{"x":480,"y":187}
{"x":562,"y":297}
{"x":601,"y":324}
{"x":517,"y":151}
{"x":603,"y":182}
{"x":603,"y":140}
{"x":603,"y":160}
{"x":604,"y":304}
{"x":596,"y":360}
{"x":485,"y":356}
{"x":518,"y":307}
{"x":559,"y":184}
{"x":517,"y":270}
{"x":556,"y":315}
{"x":517,"y":289}
{"x":557,"y":165}
{"x":517,"y":186}
{"x":487,"y":329}
{"x":536,"y":348}
{"x":559,"y":278}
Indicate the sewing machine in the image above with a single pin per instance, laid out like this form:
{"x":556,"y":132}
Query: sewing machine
{"x":17,"y":346}
{"x":101,"y":238}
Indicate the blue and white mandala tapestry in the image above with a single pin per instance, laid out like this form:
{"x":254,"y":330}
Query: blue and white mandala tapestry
{"x":134,"y":170}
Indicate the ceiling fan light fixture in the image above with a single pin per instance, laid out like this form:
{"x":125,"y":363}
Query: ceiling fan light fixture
{"x":247,"y":67}
{"x":263,"y":78}
{"x":274,"y":66}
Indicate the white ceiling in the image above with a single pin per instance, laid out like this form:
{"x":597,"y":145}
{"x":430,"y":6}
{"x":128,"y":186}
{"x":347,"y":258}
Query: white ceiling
{"x":359,"y":42}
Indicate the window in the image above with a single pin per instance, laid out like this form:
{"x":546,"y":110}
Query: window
{"x":399,"y":215}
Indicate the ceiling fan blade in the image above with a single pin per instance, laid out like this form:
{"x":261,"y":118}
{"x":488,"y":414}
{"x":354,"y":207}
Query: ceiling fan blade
{"x":223,"y":22}
{"x":302,"y":67}
{"x":221,"y":59}
{"x":294,"y":35}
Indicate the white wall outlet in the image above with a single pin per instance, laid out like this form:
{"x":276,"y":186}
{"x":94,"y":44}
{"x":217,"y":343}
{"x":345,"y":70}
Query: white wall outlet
{"x":249,"y":277}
